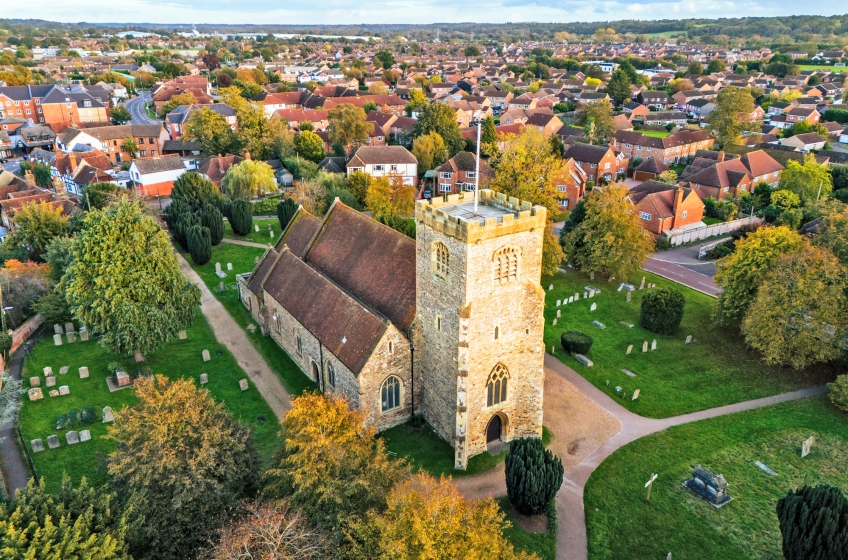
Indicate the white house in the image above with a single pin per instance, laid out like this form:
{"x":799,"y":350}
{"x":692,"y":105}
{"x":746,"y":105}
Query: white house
{"x":381,"y":161}
{"x":156,"y":176}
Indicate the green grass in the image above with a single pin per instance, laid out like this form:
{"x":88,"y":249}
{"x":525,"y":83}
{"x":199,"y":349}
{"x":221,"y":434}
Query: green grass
{"x":712,"y":221}
{"x":656,"y":133}
{"x":176,"y":359}
{"x":242,"y":258}
{"x":542,"y":545}
{"x":426,"y":451}
{"x":676,"y":378}
{"x":830,"y":68}
{"x":667,"y":34}
{"x":256,"y":237}
{"x":621,"y":524}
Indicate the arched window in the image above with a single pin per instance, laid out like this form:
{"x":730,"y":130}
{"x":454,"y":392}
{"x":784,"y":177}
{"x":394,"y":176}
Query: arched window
{"x":331,"y":375}
{"x":496,"y":386}
{"x":506,"y":264}
{"x":390,"y":393}
{"x":441,"y":259}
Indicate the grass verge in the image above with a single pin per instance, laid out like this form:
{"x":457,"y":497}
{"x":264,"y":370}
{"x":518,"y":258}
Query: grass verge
{"x":542,"y":545}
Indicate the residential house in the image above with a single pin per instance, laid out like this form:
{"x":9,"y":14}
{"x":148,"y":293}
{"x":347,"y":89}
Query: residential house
{"x":547,"y":123}
{"x":798,"y":114}
{"x":318,"y":118}
{"x":662,"y":118}
{"x":459,"y":174}
{"x":666,"y":208}
{"x":215,"y":167}
{"x":155,"y":176}
{"x":656,"y":99}
{"x":387,"y":102}
{"x":382,"y":161}
{"x":805,"y":142}
{"x":700,"y":108}
{"x":176,"y":120}
{"x":5,"y":145}
{"x":75,"y":169}
{"x":670,"y":150}
{"x":570,"y":184}
{"x":601,"y":163}
{"x":724,"y":177}
{"x":149,"y":138}
{"x":650,"y":168}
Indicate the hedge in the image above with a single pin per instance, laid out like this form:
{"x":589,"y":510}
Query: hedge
{"x":575,"y":342}
{"x":662,"y":311}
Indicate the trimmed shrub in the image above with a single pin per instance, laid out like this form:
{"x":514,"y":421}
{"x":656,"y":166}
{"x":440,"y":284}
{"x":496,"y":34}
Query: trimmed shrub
{"x":286,"y":209}
{"x":242,"y":217}
{"x":199,"y":244}
{"x":662,"y":311}
{"x":533,"y":475}
{"x":212,"y":218}
{"x":575,"y":342}
{"x":184,"y":223}
{"x":839,"y":392}
{"x":76,"y":418}
{"x":173,"y":212}
{"x":266,"y":206}
{"x":814,"y":523}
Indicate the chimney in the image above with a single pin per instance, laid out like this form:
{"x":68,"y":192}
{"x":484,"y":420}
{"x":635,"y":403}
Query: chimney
{"x":72,"y":159}
{"x":678,"y":200}
{"x":720,"y":157}
{"x":220,"y":163}
{"x":30,"y":179}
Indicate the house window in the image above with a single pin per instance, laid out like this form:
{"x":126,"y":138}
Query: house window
{"x":645,"y":216}
{"x":378,"y":168}
{"x":143,"y":153}
{"x":441,"y":259}
{"x":393,"y":167}
{"x":561,"y":188}
{"x":445,"y":175}
{"x":496,"y":386}
{"x":685,"y":212}
{"x":390,"y":393}
{"x":444,"y":187}
{"x":331,"y":375}
{"x":471,"y":174}
{"x":506,"y":264}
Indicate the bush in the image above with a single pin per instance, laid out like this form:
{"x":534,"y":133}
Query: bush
{"x":789,"y":218}
{"x":841,"y":195}
{"x":184,"y":223}
{"x":211,"y":218}
{"x":839,"y":392}
{"x":814,"y":523}
{"x":720,"y":250}
{"x":199,"y":244}
{"x":266,"y":206}
{"x":662,"y":244}
{"x":533,"y":475}
{"x":5,"y":341}
{"x":662,"y":311}
{"x":76,"y":418}
{"x":242,"y":217}
{"x":286,"y":210}
{"x":575,"y":342}
{"x":398,"y":223}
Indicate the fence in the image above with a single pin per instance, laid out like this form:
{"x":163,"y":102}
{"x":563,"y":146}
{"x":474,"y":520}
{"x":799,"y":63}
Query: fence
{"x":710,"y":231}
{"x":22,"y":333}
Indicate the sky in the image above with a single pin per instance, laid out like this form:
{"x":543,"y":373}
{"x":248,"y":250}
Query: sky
{"x":311,"y":12}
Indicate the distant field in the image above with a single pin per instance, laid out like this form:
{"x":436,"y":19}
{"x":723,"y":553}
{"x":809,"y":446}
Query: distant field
{"x":667,"y":34}
{"x":841,"y":69}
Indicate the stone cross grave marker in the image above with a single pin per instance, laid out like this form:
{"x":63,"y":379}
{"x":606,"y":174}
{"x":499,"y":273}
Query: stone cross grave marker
{"x":649,"y":485}
{"x":57,"y":339}
{"x":256,"y":228}
{"x":35,"y":381}
{"x":645,"y":346}
{"x":85,"y":435}
{"x":71,"y":337}
{"x":688,"y":339}
{"x":69,"y":327}
{"x":72,"y":437}
{"x":108,"y":415}
{"x":63,"y":370}
{"x":594,"y":307}
{"x":244,"y":385}
{"x":635,"y":395}
{"x":83,"y":372}
{"x":204,"y":378}
{"x":50,"y":381}
{"x":37,"y":445}
{"x":206,"y":356}
{"x":53,"y":441}
{"x":64,"y":390}
{"x":629,"y":294}
{"x":57,"y":329}
{"x":806,"y":445}
{"x":181,"y":335}
{"x":35,"y":394}
{"x":654,"y":344}
{"x":642,"y":284}
{"x":629,"y":349}
{"x":83,"y":335}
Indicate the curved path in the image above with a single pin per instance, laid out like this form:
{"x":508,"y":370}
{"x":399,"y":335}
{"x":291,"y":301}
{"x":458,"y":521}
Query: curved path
{"x":15,"y":471}
{"x":245,"y":243}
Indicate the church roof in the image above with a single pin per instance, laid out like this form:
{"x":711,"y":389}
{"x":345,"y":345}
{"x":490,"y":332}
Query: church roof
{"x":299,"y":233}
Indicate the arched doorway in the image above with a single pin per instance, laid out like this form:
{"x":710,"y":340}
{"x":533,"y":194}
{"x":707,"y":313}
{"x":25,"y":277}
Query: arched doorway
{"x":316,"y":377}
{"x":493,"y":430}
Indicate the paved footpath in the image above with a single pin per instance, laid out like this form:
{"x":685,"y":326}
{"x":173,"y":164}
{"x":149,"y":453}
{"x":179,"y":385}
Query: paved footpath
{"x":15,"y":472}
{"x":245,"y":243}
{"x":231,"y":335}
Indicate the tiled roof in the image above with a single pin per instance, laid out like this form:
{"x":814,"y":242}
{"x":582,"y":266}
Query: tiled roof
{"x":367,"y":155}
{"x":587,"y":152}
{"x":299,"y":233}
{"x":147,"y":166}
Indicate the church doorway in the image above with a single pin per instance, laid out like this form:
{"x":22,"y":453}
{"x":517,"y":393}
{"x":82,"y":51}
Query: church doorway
{"x":315,"y":375}
{"x":493,"y":430}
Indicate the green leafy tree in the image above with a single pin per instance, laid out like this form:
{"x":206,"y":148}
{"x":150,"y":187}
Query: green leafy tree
{"x":98,"y":195}
{"x":212,"y":219}
{"x":175,"y":101}
{"x":838,"y":392}
{"x":716,"y":65}
{"x":212,"y":131}
{"x":662,"y":311}
{"x":309,"y":145}
{"x":386,"y":58}
{"x":125,"y":282}
{"x":533,"y":475}
{"x":695,"y":68}
{"x":741,"y":273}
{"x":120,"y":115}
{"x":489,"y":137}
{"x":471,"y":51}
{"x":183,"y":463}
{"x":619,"y":86}
{"x":81,"y":523}
{"x":42,"y":174}
{"x":833,"y":235}
{"x":429,"y":150}
{"x":130,"y":146}
{"x":196,"y":191}
{"x":248,"y":179}
{"x":610,"y":239}
{"x":199,"y":244}
{"x":441,"y":119}
{"x":800,"y":314}
{"x":286,"y":210}
{"x":417,"y":99}
{"x":810,"y":181}
{"x":630,"y":71}
{"x":36,"y":224}
{"x":242,"y":217}
{"x":348,"y":126}
{"x":357,"y":183}
{"x":725,"y":118}
{"x":814,"y":523}
{"x":599,"y":113}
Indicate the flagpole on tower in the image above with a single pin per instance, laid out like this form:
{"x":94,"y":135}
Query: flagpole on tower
{"x":477,"y":169}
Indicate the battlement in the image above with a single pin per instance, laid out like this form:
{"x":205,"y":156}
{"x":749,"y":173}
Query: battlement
{"x":496,"y":215}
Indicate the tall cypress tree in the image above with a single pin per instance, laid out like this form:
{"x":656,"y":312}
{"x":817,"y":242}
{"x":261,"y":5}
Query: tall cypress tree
{"x":212,"y":218}
{"x":184,"y":222}
{"x":286,"y":210}
{"x":814,"y":523}
{"x":199,"y":244}
{"x":533,"y":475}
{"x":241,"y":218}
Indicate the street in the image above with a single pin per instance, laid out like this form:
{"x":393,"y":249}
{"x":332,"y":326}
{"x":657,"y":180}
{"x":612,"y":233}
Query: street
{"x":137,"y":110}
{"x":683,"y":266}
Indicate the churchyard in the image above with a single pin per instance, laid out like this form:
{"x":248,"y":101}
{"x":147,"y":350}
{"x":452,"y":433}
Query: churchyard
{"x":621,"y":523}
{"x":261,"y":236}
{"x":179,"y":358}
{"x":672,"y":377}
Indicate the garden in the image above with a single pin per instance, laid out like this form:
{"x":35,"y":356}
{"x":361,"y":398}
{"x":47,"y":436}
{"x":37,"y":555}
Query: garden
{"x":715,"y":369}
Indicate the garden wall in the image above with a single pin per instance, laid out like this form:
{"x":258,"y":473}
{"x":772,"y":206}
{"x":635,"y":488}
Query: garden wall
{"x":22,"y":333}
{"x":710,"y":231}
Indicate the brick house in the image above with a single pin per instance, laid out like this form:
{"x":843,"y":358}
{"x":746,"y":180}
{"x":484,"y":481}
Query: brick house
{"x":381,"y":161}
{"x":110,"y":140}
{"x":156,"y":176}
{"x":723,"y":177}
{"x":570,"y":184}
{"x":657,"y":99}
{"x":459,"y":174}
{"x":599,"y":162}
{"x":649,"y":169}
{"x":176,"y":120}
{"x":665,"y":207}
{"x":669,"y":150}
{"x":798,"y":114}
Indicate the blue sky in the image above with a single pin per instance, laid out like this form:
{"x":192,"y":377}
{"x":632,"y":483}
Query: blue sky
{"x":399,"y":11}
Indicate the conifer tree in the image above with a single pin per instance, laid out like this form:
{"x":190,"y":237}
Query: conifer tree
{"x":533,"y":475}
{"x":286,"y":210}
{"x":211,"y":217}
{"x":814,"y":523}
{"x":241,"y":218}
{"x":199,"y":244}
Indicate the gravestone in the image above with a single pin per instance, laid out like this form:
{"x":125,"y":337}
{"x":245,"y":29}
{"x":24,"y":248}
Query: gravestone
{"x":554,"y":323}
{"x":71,"y":337}
{"x":53,"y":393}
{"x":35,"y":394}
{"x":218,"y":272}
{"x":626,"y":286}
{"x":57,"y":329}
{"x":35,"y":381}
{"x":626,"y":324}
{"x":559,"y":302}
{"x":229,"y":266}
{"x":244,"y":385}
{"x":806,"y":445}
{"x":53,"y":441}
{"x":585,"y":295}
{"x":642,"y":284}
{"x":571,"y":299}
{"x":37,"y":445}
{"x":591,"y":293}
{"x":63,"y":370}
{"x":83,"y":332}
{"x":48,"y":370}
{"x":628,"y":295}
{"x":204,"y":378}
{"x":108,"y":415}
{"x":688,"y":339}
{"x":576,"y":296}
{"x":765,"y":468}
{"x":57,"y":339}
{"x":654,"y":344}
{"x":50,"y":381}
{"x":72,"y":437}
{"x":256,"y":227}
{"x":255,"y":260}
{"x":64,"y":390}
{"x":583,"y":360}
{"x":559,"y":313}
{"x":551,"y":287}
{"x":85,"y":435}
{"x":181,"y":335}
{"x":205,"y":354}
{"x":711,"y":487}
{"x":594,"y":307}
{"x":592,"y":275}
{"x":645,"y":346}
{"x":599,"y":325}
{"x":123,"y":378}
{"x":271,"y":233}
{"x":635,"y":395}
{"x":628,"y":372}
{"x":83,"y":372}
{"x":69,"y":327}
{"x":222,"y":287}
{"x":629,"y":350}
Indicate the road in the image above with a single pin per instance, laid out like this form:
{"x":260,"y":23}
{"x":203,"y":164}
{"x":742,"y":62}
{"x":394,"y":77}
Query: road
{"x":13,"y":165}
{"x":682,"y":275}
{"x":137,"y":110}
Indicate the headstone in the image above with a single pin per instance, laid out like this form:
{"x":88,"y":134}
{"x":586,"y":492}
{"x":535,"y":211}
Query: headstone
{"x":108,"y":415}
{"x":642,"y":283}
{"x":571,"y":299}
{"x":53,"y":393}
{"x":628,"y":372}
{"x":765,"y":468}
{"x":52,"y":441}
{"x":256,"y":227}
{"x":559,"y":302}
{"x":138,"y":357}
{"x":35,"y":394}
{"x":69,"y":327}
{"x":123,"y":378}
{"x":599,"y":325}
{"x":64,"y":390}
{"x":206,"y":357}
{"x":594,"y":307}
{"x":626,"y":324}
{"x":635,"y":395}
{"x":585,"y":295}
{"x":576,"y":296}
{"x":583,"y":360}
{"x":806,"y":445}
{"x":35,"y":381}
{"x":71,"y":337}
{"x":57,"y":329}
{"x":218,"y":272}
{"x":37,"y":445}
{"x":271,"y":233}
{"x":554,"y":323}
{"x":592,"y":275}
{"x":83,"y":335}
{"x":229,"y":266}
{"x":50,"y":381}
{"x":626,"y":286}
{"x":222,"y":287}
{"x":48,"y":371}
{"x":57,"y":339}
{"x":591,"y":293}
{"x":712,"y":487}
{"x":63,"y":370}
{"x":83,"y":371}
{"x":244,"y":385}
{"x":629,"y":350}
{"x":72,"y":437}
{"x":559,"y":313}
{"x":654,"y":344}
{"x":255,"y":260}
{"x":204,"y":378}
{"x":645,"y":346}
{"x":551,"y":287}
{"x":181,"y":335}
{"x":85,"y":435}
{"x":629,"y":294}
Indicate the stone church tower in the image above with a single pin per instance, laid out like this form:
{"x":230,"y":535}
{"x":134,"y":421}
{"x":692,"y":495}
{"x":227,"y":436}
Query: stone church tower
{"x":479,"y":347}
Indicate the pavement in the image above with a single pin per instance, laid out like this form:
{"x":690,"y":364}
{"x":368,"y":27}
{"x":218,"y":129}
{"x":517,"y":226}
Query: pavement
{"x":15,"y":471}
{"x":245,"y":243}
{"x":683,"y":266}
{"x":13,"y":165}
{"x":137,"y":110}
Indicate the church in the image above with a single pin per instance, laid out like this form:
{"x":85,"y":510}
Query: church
{"x":447,"y":326}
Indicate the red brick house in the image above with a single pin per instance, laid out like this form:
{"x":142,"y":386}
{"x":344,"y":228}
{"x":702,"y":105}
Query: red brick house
{"x":669,"y":150}
{"x":571,"y":184}
{"x":723,"y":178}
{"x":665,"y":207}
{"x":458,"y":174}
{"x":649,"y":169}
{"x":599,"y":162}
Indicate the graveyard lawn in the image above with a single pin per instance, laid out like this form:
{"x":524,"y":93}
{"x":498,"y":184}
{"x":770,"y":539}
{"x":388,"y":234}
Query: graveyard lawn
{"x":543,"y":544}
{"x":621,"y":524}
{"x":676,"y":378}
{"x":260,"y":236}
{"x":175,"y":359}
{"x":242,"y":257}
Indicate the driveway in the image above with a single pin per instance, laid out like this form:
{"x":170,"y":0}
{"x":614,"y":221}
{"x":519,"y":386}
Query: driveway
{"x":137,"y":110}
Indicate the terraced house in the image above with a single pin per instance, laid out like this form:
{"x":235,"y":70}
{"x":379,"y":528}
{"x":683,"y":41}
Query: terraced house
{"x":670,"y":150}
